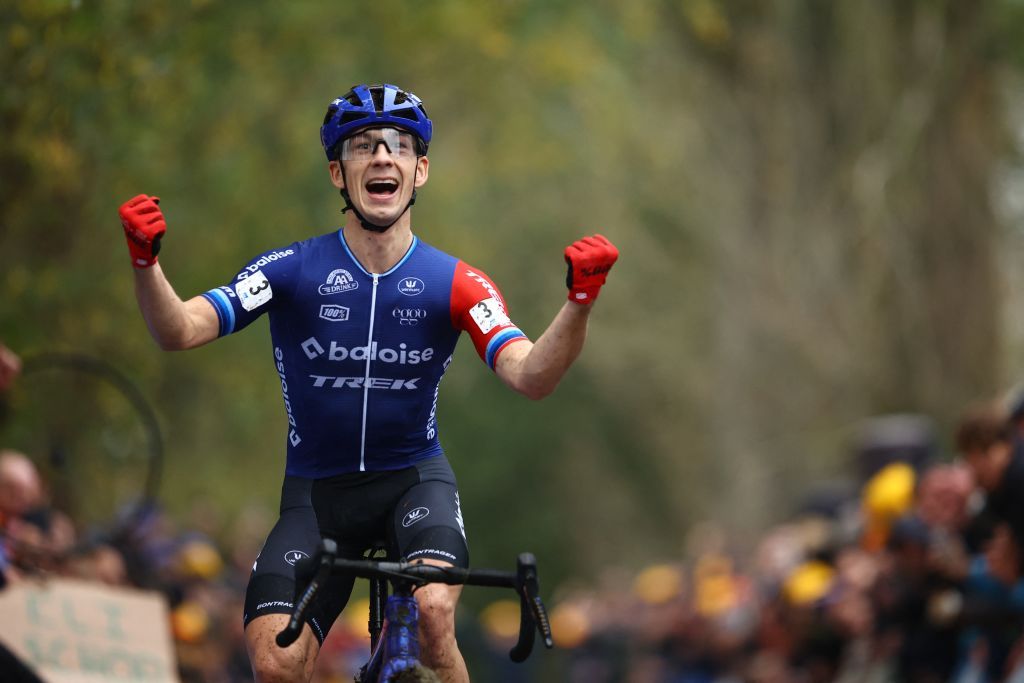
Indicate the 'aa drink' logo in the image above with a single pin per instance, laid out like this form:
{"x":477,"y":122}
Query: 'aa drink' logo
{"x":337,"y":282}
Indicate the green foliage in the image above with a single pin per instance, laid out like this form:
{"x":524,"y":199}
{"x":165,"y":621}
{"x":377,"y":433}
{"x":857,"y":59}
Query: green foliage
{"x":772,"y":173}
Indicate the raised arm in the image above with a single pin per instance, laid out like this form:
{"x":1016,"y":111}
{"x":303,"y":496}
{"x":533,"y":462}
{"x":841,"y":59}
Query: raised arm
{"x":173,"y":323}
{"x":176,"y":325}
{"x":534,"y":369}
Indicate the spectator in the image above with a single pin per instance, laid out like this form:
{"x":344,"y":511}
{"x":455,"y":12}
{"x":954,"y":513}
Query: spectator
{"x":20,"y":492}
{"x":986,"y":440}
{"x":10,"y":366}
{"x":943,"y":496}
{"x":887,"y":496}
{"x":21,"y":489}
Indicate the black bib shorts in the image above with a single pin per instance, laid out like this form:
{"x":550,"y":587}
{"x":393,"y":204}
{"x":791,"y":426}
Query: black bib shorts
{"x":414,"y":510}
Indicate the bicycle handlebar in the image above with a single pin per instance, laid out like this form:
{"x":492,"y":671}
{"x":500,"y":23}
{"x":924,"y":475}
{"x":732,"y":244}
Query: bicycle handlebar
{"x":323,"y":565}
{"x":532,"y":613}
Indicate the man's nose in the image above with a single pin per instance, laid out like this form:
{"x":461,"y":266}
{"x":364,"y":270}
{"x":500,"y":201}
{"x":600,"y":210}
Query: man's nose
{"x":381,"y":153}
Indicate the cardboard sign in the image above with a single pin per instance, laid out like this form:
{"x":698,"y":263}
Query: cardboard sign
{"x":77,"y":632}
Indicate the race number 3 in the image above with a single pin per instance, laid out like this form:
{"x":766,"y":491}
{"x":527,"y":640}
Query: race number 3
{"x":489,"y":314}
{"x":254,"y":291}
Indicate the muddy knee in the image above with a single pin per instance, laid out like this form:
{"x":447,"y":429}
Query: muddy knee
{"x":273,"y":664}
{"x":437,"y":614}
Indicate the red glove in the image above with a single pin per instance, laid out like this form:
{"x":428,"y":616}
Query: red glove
{"x":589,"y":261}
{"x":144,"y":227}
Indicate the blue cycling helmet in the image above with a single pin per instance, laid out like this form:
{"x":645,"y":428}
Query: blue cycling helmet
{"x":374,"y":105}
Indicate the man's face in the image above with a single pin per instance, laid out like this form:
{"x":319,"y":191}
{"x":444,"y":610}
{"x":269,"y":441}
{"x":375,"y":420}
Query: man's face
{"x":20,"y":486}
{"x":943,"y":494}
{"x":987,"y":465}
{"x":381,"y":171}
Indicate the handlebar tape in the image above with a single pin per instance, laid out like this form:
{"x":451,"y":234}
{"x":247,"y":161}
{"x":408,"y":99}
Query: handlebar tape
{"x":325,"y":561}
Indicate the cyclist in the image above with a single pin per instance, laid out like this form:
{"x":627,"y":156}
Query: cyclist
{"x":363,"y":323}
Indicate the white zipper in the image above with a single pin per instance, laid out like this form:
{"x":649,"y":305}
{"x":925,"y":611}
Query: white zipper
{"x":366,"y":375}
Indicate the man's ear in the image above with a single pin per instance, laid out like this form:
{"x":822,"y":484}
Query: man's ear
{"x":337,"y":177}
{"x":422,"y":171}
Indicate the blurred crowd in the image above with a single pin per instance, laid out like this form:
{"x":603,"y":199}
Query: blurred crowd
{"x":910,"y":572}
{"x":913,"y":573}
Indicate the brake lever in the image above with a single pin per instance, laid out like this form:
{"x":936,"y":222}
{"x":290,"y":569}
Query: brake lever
{"x":532,"y":615}
{"x":325,"y":562}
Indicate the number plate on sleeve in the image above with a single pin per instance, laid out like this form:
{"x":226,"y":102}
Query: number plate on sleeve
{"x":254,"y":291}
{"x":489,"y":314}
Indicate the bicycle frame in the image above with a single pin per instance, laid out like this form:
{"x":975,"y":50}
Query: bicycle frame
{"x":400,"y":611}
{"x":399,"y":648}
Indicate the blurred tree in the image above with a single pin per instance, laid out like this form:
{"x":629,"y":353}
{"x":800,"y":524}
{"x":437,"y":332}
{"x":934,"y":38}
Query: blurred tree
{"x":846,"y":168}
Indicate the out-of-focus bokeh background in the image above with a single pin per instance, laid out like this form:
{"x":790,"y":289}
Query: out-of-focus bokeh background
{"x":818,"y":207}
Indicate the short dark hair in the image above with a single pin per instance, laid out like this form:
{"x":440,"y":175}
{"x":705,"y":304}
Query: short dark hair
{"x":982,"y":427}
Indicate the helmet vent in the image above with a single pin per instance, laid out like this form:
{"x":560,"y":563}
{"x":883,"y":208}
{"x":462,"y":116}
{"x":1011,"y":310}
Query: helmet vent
{"x":350,"y":116}
{"x":401,"y":97}
{"x":377,"y":93}
{"x":407,"y":113}
{"x":330,"y":113}
{"x":353,"y":98}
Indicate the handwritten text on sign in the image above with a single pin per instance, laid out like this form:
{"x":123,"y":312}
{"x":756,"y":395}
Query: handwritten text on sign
{"x":77,"y":632}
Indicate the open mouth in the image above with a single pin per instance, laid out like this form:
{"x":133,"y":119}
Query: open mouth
{"x":382,"y":188}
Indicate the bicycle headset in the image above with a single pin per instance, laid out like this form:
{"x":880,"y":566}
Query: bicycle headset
{"x":373,"y":106}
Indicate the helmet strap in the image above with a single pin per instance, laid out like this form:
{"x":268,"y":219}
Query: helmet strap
{"x":373,"y":227}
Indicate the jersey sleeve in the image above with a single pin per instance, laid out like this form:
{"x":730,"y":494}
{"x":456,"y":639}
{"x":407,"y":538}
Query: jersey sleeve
{"x":479,"y":309}
{"x":262,"y":284}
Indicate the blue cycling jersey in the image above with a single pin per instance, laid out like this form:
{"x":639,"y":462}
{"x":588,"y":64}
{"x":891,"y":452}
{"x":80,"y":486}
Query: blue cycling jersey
{"x":361,"y":355}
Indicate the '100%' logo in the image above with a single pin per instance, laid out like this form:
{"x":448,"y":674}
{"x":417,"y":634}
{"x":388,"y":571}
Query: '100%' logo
{"x":334,"y":313}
